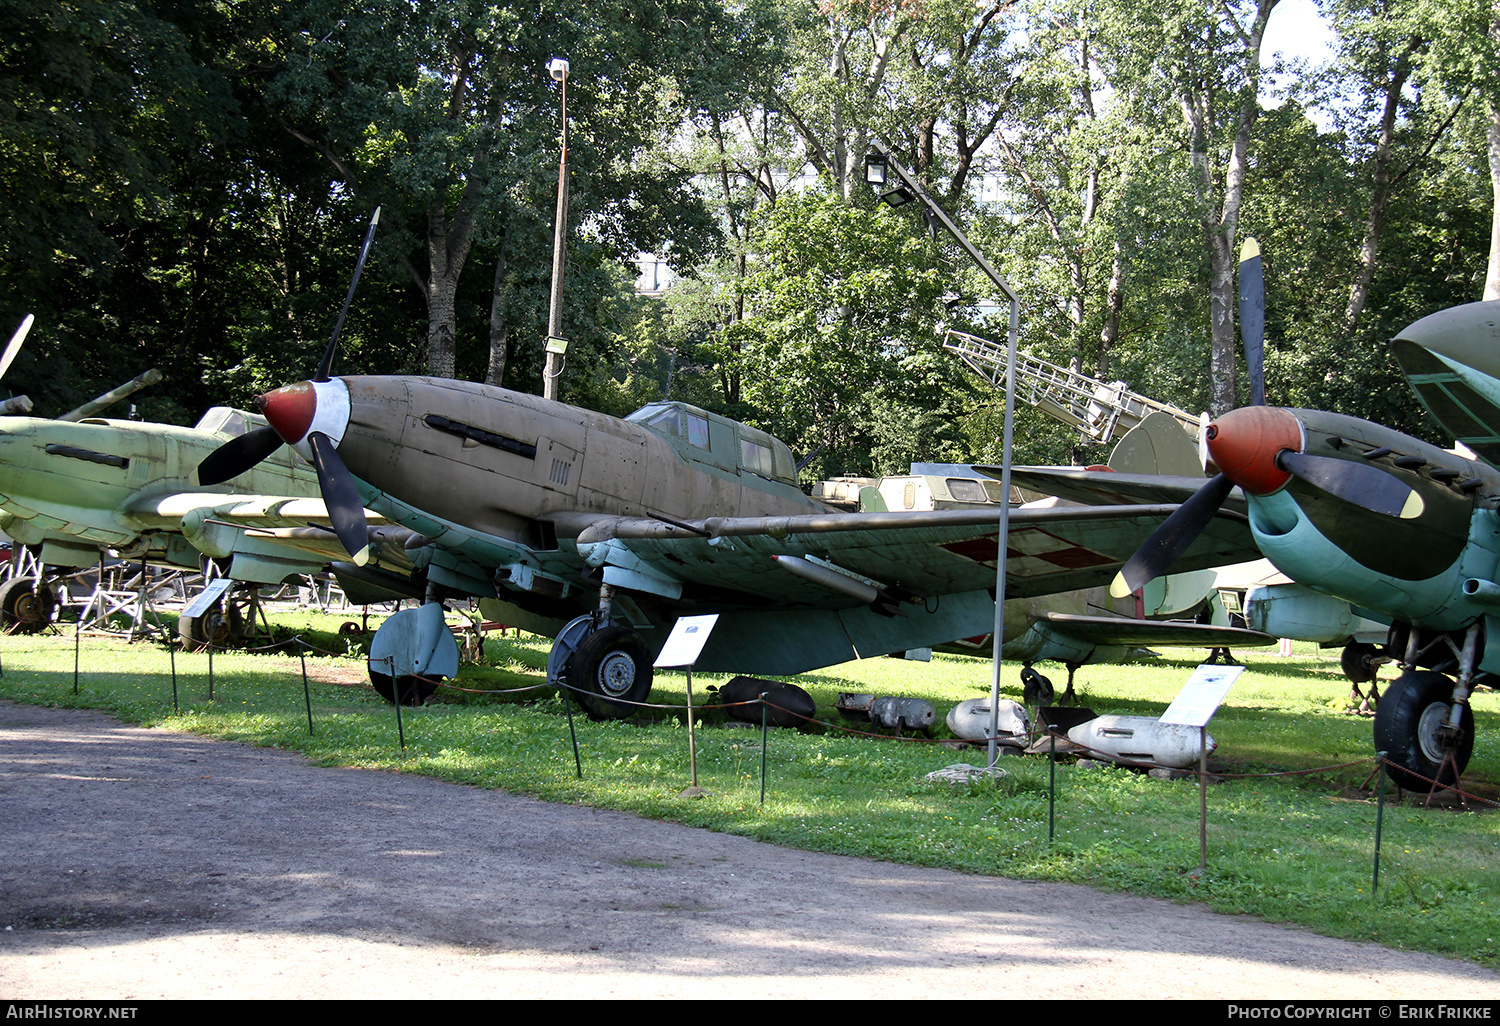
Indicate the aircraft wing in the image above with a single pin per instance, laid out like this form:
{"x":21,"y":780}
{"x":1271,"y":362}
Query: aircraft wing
{"x":1114,"y":630}
{"x":1455,"y":396}
{"x":284,"y":535}
{"x":916,"y":556}
{"x":1105,"y":487}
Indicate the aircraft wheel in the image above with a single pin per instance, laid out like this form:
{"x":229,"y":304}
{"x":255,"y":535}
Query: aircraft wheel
{"x":414,"y":690}
{"x":611,"y":672}
{"x":1358,"y":662}
{"x":24,"y":608}
{"x":1406,"y":728}
{"x":217,"y":627}
{"x":1035,"y":688}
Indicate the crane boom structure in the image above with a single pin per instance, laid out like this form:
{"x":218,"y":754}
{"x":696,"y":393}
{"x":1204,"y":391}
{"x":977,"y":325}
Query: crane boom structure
{"x":1101,"y":410}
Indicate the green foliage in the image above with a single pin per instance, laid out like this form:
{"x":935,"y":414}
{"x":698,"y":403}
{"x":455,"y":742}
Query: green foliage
{"x":186,"y":185}
{"x":841,"y":350}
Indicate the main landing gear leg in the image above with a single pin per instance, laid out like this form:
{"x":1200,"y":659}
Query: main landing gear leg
{"x":1424,"y":724}
{"x":607,"y":667}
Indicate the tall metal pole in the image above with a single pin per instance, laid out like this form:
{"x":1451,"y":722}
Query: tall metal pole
{"x":1013,"y":341}
{"x":556,"y":344}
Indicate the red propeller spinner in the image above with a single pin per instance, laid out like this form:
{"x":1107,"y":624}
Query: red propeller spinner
{"x":1245,"y":443}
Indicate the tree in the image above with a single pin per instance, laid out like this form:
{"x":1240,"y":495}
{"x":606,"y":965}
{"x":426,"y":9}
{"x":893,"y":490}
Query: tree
{"x":444,"y":112}
{"x":841,"y":355}
{"x":1206,"y":59}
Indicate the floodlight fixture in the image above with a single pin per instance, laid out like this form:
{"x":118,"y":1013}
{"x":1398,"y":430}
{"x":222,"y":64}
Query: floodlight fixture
{"x":558,"y":69}
{"x":875,"y":168}
{"x":897,"y":197}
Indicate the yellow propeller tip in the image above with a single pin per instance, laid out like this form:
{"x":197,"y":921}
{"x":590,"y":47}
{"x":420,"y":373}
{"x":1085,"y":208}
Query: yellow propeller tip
{"x":1413,"y":507}
{"x":1118,"y":588}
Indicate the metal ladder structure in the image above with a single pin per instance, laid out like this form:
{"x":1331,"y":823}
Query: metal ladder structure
{"x":1101,"y":410}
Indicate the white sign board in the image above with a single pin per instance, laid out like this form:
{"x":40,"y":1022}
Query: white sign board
{"x":1201,"y":696}
{"x":211,"y":593}
{"x":686,"y":641}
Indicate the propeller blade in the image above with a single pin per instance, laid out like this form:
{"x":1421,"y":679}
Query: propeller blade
{"x":1172,"y":538}
{"x":1361,"y":484}
{"x":326,"y":364}
{"x":238,"y":455}
{"x":14,"y":346}
{"x":346,"y":509}
{"x":1253,"y":319}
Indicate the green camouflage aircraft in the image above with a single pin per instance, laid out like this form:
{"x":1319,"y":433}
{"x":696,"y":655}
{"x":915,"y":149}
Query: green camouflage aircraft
{"x":74,"y":489}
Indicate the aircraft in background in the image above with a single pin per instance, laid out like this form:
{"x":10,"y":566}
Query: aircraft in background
{"x":1395,"y":526}
{"x":1082,"y":626}
{"x":73,"y":489}
{"x":78,"y":485}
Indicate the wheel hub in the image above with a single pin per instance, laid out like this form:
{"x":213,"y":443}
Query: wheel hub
{"x":616,"y":674}
{"x":1432,"y":732}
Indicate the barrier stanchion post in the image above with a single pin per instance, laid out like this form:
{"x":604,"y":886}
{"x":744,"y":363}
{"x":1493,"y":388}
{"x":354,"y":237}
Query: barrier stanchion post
{"x":572,"y":733}
{"x":172,"y":654}
{"x":1052,"y":786}
{"x":1202,"y":800}
{"x":390,"y":665}
{"x":1379,"y":822}
{"x":306,"y":692}
{"x":77,"y":634}
{"x":210,"y":671}
{"x":764,"y":742}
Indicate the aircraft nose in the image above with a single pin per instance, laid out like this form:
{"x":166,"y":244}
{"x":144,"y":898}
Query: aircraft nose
{"x":1244,"y":443}
{"x":290,"y":410}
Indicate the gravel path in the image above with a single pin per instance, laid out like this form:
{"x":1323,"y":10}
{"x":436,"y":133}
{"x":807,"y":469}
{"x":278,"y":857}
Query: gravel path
{"x":153,"y":864}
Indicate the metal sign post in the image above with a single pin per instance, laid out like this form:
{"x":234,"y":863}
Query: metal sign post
{"x":681,"y":651}
{"x":1194,"y":706}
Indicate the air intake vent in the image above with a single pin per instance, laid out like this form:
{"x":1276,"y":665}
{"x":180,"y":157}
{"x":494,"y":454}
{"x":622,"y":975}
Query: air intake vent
{"x":560,"y":471}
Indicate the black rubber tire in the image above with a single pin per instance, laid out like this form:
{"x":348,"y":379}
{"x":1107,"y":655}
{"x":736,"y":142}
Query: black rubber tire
{"x":220,"y":627}
{"x":1035,"y":688}
{"x":414,"y":690}
{"x":1355,"y":662}
{"x":24,"y":609}
{"x":610,"y":673}
{"x":1405,"y":729}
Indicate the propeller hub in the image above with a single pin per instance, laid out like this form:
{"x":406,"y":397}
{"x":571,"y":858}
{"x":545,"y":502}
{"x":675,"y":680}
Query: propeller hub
{"x":296,"y":411}
{"x":1244,"y":444}
{"x":290,"y":410}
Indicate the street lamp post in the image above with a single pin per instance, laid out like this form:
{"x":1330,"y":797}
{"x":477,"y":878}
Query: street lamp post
{"x":878,"y":167}
{"x":556,"y":344}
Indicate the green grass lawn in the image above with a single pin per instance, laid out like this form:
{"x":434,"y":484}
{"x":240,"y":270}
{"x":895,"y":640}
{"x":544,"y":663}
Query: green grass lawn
{"x":1290,"y":829}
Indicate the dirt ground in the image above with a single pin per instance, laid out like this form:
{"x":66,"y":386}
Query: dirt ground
{"x":152,"y":864}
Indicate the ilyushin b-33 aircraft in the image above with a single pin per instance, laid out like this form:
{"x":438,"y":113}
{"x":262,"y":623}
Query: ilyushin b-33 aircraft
{"x":600,"y":532}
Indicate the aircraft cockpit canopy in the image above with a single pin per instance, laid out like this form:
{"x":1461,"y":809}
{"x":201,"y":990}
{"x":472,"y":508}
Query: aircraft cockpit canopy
{"x":230,"y":423}
{"x":718,"y":441}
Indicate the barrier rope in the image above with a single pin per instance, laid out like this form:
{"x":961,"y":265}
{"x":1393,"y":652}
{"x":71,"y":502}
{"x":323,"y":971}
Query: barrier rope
{"x":1076,"y":747}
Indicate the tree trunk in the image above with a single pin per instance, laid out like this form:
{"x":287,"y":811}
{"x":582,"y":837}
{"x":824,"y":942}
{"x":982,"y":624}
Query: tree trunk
{"x":1492,"y":277}
{"x":1219,"y":212}
{"x":499,"y":322}
{"x":1110,"y":334}
{"x":1380,"y":196}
